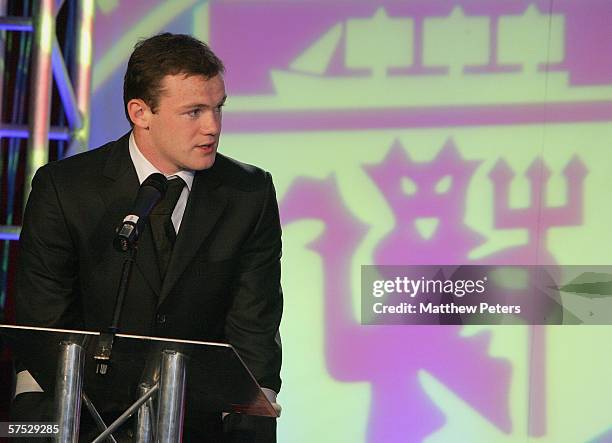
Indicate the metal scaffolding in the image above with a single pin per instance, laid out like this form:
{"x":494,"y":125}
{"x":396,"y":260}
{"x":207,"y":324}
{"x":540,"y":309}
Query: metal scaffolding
{"x":47,"y":63}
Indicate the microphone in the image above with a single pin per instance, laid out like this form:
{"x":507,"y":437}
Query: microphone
{"x":150,"y":192}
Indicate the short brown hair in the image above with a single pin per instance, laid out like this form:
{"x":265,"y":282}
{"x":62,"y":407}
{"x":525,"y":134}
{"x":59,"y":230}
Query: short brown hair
{"x":161,"y":55}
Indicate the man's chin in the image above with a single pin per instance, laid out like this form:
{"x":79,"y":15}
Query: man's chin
{"x":205,"y":163}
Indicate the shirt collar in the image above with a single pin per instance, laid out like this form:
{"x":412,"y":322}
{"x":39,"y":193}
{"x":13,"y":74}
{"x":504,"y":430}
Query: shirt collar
{"x":144,"y":168}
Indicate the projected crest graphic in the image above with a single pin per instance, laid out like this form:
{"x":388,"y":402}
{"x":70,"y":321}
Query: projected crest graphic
{"x":417,"y":132}
{"x":433,"y":192}
{"x":389,"y":358}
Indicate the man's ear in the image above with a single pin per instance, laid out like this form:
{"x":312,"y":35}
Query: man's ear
{"x":139,"y":113}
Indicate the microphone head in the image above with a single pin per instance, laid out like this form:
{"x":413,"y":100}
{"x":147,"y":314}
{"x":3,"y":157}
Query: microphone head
{"x":152,"y":189}
{"x":158,"y":181}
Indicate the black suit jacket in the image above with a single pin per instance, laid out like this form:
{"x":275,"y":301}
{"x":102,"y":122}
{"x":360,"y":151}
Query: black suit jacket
{"x":223,"y":279}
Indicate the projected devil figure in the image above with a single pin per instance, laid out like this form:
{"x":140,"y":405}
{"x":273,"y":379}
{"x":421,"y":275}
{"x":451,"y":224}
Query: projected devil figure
{"x":427,"y":200}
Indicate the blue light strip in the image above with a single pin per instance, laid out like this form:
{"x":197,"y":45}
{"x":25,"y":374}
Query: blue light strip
{"x":22,"y":131}
{"x":15,"y":24}
{"x":10,"y":232}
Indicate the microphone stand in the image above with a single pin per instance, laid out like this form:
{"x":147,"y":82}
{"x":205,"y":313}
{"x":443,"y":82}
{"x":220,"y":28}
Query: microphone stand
{"x":104,"y":349}
{"x":150,"y":192}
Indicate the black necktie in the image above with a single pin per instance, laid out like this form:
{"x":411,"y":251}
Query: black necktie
{"x":164,"y":234}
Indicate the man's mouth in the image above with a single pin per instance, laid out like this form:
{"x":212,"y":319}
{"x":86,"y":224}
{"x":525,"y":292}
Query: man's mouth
{"x":206,"y":146}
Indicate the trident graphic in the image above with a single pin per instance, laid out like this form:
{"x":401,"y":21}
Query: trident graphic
{"x":536,"y":218}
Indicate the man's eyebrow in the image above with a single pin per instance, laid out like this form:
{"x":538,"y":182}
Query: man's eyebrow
{"x":203,"y":105}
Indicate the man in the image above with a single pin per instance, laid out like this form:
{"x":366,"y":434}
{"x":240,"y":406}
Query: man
{"x":216,"y":279}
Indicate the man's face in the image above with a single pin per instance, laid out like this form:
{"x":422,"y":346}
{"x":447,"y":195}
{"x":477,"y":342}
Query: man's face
{"x":183,"y":133}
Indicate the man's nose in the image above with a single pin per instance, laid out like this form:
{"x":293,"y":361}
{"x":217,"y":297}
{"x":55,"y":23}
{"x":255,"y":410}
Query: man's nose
{"x":210,"y":123}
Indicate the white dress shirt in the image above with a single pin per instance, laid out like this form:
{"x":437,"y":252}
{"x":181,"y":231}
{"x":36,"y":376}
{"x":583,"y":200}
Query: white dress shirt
{"x":144,"y":168}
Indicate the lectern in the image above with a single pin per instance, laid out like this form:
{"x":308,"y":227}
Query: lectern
{"x":171,"y":371}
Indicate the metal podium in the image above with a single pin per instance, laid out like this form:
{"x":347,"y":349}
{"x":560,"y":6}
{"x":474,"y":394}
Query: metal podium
{"x":142,"y":368}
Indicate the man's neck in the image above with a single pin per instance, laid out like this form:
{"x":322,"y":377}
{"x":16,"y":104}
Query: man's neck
{"x":143,"y":144}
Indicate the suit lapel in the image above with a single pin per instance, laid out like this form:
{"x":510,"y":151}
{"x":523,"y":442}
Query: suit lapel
{"x":204,"y":208}
{"x":119,"y":197}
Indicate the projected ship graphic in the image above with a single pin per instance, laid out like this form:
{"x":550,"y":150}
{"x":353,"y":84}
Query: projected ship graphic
{"x":404,"y":62}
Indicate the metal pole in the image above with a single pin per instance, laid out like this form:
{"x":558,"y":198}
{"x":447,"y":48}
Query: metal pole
{"x":143,"y":428}
{"x":40,"y":102}
{"x":64,"y":87}
{"x":127,"y":414}
{"x":82,"y":73}
{"x":68,"y":390}
{"x":171,"y":397}
{"x":97,"y":417}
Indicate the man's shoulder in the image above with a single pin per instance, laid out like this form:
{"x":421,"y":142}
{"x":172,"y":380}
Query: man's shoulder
{"x":239,"y":175}
{"x":88,"y":163}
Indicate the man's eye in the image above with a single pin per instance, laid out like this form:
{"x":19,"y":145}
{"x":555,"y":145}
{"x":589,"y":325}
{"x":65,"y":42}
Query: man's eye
{"x":194,"y":113}
{"x":219,"y":108}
